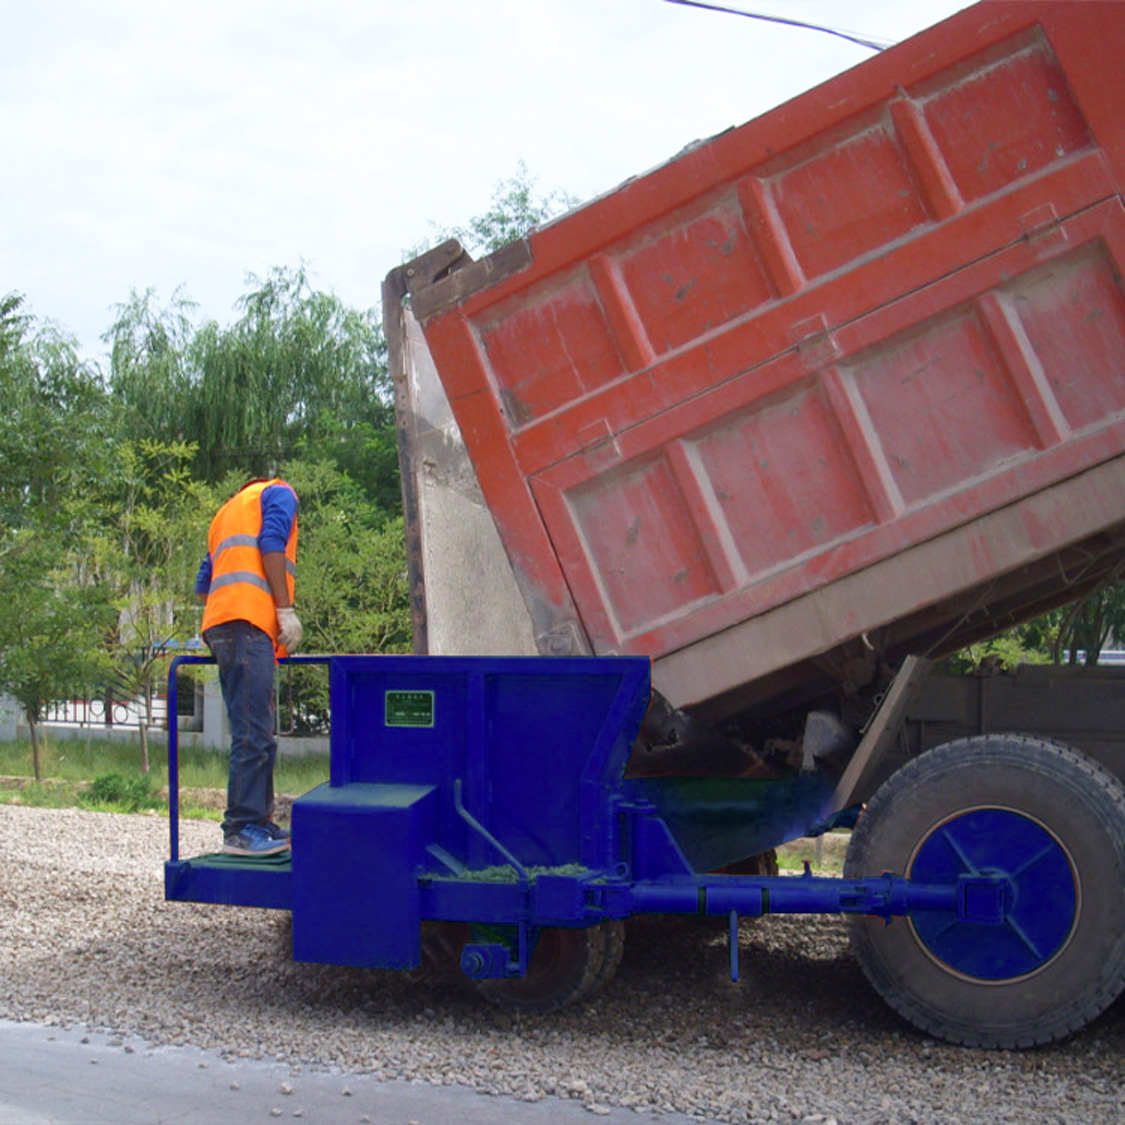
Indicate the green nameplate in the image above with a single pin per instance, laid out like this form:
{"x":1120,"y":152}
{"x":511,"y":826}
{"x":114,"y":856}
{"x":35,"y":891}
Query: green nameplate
{"x":409,"y":709}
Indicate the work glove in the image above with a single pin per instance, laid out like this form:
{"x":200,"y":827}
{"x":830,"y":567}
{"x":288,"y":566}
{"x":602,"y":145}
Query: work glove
{"x":288,"y":629}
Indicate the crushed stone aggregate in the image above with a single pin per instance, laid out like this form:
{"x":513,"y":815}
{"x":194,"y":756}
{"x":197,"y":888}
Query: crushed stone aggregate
{"x":87,"y":941}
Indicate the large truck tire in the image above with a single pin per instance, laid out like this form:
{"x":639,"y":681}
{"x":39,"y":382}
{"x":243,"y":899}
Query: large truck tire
{"x":1053,"y":822}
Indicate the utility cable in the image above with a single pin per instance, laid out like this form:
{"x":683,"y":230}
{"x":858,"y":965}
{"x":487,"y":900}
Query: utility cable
{"x":862,"y":41}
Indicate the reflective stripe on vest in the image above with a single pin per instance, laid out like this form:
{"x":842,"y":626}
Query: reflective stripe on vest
{"x":239,"y":588}
{"x":241,"y":576}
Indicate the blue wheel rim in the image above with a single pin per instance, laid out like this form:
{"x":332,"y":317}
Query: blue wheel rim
{"x":1041,"y":894}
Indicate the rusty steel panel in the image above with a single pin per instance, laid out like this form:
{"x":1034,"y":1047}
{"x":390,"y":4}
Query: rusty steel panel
{"x":854,"y":328}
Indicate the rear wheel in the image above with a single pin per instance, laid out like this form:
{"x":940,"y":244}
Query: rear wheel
{"x":566,"y":966}
{"x":1051,"y":822}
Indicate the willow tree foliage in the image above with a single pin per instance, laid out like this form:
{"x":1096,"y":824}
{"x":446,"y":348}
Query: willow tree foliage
{"x":298,"y":373}
{"x":150,"y":374}
{"x":298,"y":366}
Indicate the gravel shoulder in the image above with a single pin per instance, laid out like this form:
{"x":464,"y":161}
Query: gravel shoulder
{"x":87,"y":941}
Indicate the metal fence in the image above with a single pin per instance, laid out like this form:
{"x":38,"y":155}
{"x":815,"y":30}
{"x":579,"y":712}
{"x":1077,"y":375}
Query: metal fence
{"x":87,"y":711}
{"x":102,"y":708}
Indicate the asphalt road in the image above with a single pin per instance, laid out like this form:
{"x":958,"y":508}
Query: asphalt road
{"x":52,"y":1076}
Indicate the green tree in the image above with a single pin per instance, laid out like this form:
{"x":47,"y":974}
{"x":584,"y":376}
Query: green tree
{"x":365,"y":450}
{"x":53,"y":622}
{"x":57,"y":427}
{"x":57,"y":434}
{"x":146,"y":555}
{"x":1085,"y":628}
{"x":1008,"y":650}
{"x":1075,"y":634}
{"x":353,"y":566}
{"x":514,"y":210}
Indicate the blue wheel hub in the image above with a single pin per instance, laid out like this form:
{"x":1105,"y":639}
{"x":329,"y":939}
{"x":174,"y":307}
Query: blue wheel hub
{"x":1041,"y":895}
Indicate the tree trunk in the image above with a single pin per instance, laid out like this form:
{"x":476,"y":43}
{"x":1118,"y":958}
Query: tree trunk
{"x":34,"y":747}
{"x":142,"y":726}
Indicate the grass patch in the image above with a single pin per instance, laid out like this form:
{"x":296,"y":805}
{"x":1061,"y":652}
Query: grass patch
{"x":70,"y":760}
{"x":825,"y":854}
{"x":121,"y":793}
{"x":191,"y":811}
{"x":42,"y":795}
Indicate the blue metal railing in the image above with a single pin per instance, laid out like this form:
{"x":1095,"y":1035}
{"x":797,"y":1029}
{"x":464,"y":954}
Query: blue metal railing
{"x":174,"y":740}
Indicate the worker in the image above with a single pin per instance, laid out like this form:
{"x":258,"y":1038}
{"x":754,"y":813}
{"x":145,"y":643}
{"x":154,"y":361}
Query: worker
{"x":246,"y":582}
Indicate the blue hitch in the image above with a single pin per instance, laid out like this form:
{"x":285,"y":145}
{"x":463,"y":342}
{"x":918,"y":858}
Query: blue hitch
{"x":486,"y":961}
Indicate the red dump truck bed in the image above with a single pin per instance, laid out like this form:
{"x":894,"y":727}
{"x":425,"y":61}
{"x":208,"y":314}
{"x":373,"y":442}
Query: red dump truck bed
{"x":847,"y":379}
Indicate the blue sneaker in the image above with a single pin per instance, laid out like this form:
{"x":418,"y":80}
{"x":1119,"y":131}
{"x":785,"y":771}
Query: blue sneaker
{"x":252,"y":839}
{"x":276,"y":832}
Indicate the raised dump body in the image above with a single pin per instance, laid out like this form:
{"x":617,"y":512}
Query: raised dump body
{"x":842,"y":384}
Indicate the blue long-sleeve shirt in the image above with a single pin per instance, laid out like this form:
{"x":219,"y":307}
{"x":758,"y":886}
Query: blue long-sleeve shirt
{"x":279,"y":510}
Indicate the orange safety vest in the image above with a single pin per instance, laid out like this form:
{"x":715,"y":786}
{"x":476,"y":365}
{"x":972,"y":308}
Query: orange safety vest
{"x":239,"y":589}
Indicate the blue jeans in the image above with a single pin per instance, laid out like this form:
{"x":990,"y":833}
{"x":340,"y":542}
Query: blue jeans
{"x":246,"y":663}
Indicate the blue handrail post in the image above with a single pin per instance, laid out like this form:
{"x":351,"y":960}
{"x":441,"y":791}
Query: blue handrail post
{"x":174,"y":751}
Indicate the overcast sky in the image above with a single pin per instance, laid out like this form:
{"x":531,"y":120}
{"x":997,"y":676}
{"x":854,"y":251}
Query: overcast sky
{"x":155,"y":144}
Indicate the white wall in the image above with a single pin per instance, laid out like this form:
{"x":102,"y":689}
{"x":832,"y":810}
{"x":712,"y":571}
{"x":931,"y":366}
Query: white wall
{"x":215,"y":734}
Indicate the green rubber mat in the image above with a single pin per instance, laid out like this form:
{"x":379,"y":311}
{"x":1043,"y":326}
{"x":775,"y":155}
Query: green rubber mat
{"x":221,"y":859}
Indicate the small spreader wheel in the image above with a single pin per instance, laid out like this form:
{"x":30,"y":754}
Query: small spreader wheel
{"x":1050,"y":823}
{"x":566,"y":966}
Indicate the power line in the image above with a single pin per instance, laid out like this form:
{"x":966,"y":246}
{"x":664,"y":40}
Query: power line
{"x":872,"y":44}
